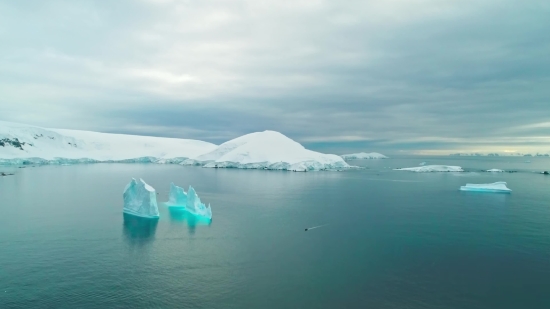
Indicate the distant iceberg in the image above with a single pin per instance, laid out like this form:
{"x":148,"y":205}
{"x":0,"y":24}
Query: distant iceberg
{"x":363,"y":156}
{"x":190,"y":201}
{"x":497,"y":187}
{"x":140,"y":199}
{"x":495,"y":170}
{"x":422,"y":163}
{"x":432,"y":168}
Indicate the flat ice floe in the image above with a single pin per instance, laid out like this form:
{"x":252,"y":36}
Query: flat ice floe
{"x":495,"y":170}
{"x":363,"y":156}
{"x":140,"y":199}
{"x":432,"y":168}
{"x":496,"y":187}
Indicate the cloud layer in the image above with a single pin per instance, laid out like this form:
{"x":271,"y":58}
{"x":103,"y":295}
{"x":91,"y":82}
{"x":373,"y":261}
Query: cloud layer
{"x":414,"y":75}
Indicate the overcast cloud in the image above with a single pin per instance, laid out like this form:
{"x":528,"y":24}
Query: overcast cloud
{"x":421,"y":76}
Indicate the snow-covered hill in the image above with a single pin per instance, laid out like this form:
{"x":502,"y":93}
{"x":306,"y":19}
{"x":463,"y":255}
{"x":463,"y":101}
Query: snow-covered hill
{"x":25,"y":144}
{"x":267,"y":150}
{"x":40,"y":145}
{"x":363,"y":155}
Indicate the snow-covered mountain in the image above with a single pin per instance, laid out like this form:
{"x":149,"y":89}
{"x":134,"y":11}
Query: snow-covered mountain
{"x":363,"y":155}
{"x":268,"y":150}
{"x":24,"y":144}
{"x":18,"y":141}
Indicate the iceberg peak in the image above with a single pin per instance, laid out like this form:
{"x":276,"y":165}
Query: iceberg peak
{"x":140,"y":199}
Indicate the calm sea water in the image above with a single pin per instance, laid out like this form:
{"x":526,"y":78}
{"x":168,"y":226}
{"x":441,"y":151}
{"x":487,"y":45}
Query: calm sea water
{"x":389,"y":239}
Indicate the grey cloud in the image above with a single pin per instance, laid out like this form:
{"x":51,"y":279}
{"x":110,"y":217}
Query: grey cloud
{"x":391,"y":75}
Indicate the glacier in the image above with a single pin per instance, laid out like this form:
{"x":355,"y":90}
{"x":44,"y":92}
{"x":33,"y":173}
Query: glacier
{"x":140,"y":199}
{"x":190,"y":201}
{"x":497,"y":187}
{"x":363,"y":156}
{"x":268,"y":150}
{"x":22,"y":144}
{"x":432,"y":168}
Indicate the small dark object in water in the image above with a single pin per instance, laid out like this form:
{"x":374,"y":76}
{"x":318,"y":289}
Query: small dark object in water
{"x":4,"y":174}
{"x":546,"y":173}
{"x":306,"y":230}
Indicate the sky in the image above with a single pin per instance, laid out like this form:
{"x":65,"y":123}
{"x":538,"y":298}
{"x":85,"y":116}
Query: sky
{"x":394,"y":76}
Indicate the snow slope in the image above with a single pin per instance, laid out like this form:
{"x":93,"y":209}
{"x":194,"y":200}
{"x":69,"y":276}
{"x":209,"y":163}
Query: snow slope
{"x":267,"y":150}
{"x":432,"y":168}
{"x":18,"y":141}
{"x":363,"y":155}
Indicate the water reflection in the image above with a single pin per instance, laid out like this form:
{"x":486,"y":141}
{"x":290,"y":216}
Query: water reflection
{"x":139,"y":231}
{"x":179,"y":215}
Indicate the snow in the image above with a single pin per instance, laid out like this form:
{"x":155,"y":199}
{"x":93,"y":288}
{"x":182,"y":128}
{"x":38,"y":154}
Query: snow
{"x":488,"y":187}
{"x":363,"y":155}
{"x":55,"y":146}
{"x":495,"y":170}
{"x":432,"y":168}
{"x":140,"y":199}
{"x":267,"y":150}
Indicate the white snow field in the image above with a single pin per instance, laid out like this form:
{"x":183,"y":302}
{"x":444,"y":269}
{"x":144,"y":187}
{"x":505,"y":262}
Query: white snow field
{"x":267,"y":150}
{"x":140,"y":199}
{"x":19,"y":143}
{"x":432,"y":168}
{"x":363,"y":155}
{"x":497,"y":187}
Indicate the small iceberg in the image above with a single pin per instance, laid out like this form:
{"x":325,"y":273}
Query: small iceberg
{"x":497,"y":187}
{"x":495,"y":170}
{"x":363,"y":156}
{"x":140,"y":199}
{"x":432,"y":168}
{"x":422,"y":163}
{"x":190,"y":201}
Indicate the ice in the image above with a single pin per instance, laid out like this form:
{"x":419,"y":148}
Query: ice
{"x":140,"y":199}
{"x":190,"y":201}
{"x":268,"y":150}
{"x":363,"y":155}
{"x":195,"y":206}
{"x":496,"y":187}
{"x":432,"y":168}
{"x":422,"y":163}
{"x":177,"y":196}
{"x":495,"y":170}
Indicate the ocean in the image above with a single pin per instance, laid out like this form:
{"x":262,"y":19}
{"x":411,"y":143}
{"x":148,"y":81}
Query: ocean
{"x":382,"y":238}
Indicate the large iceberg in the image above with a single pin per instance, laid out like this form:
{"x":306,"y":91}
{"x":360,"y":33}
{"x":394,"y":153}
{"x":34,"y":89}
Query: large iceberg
{"x":267,"y":150}
{"x":497,"y":187}
{"x":432,"y":168}
{"x":363,"y":155}
{"x":190,"y":201}
{"x":140,"y":199}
